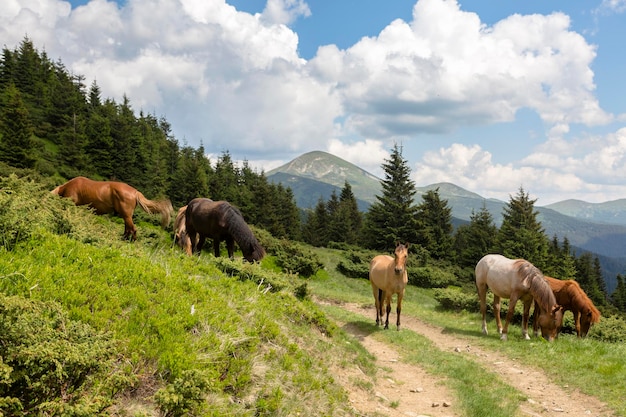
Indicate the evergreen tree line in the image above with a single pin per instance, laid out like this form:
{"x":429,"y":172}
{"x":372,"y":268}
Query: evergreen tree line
{"x":395,"y":216}
{"x":50,"y":122}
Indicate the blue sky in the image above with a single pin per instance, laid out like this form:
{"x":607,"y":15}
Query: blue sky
{"x":491,"y":96}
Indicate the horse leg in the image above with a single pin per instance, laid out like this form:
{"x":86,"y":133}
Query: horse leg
{"x":536,"y":319}
{"x":376,"y":294}
{"x":482,"y":296}
{"x":130,"y":231}
{"x":576,"y":321}
{"x":399,"y":308}
{"x":216,"y":247}
{"x":525,"y":319}
{"x":230,"y":247}
{"x":200,"y":244}
{"x":496,"y":313}
{"x":388,"y":308}
{"x":509,"y":316}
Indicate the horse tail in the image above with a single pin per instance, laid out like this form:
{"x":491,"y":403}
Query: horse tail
{"x":162,"y":207}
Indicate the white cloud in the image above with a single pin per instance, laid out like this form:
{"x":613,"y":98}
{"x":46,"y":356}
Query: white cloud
{"x":368,"y":154}
{"x":285,"y":11}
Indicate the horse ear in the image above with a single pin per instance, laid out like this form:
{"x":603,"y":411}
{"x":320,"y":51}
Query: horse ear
{"x":406,"y":244}
{"x":556,"y":308}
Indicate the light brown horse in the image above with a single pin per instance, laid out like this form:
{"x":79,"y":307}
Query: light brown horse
{"x":569,"y":294}
{"x":219,"y":220}
{"x":114,"y":197}
{"x":517,"y":279}
{"x":181,"y":237}
{"x":388,"y":276}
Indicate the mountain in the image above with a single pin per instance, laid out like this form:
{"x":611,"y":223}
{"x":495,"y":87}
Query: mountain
{"x":610,"y":212}
{"x":317,"y":174}
{"x":596,"y":228}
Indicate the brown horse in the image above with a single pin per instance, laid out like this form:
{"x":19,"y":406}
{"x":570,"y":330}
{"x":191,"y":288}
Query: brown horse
{"x":517,"y":279}
{"x":113,"y":197}
{"x":388,"y":276}
{"x":569,"y":294}
{"x":180,"y":231}
{"x":219,"y":220}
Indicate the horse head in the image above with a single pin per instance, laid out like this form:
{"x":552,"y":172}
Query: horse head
{"x":400,"y":256}
{"x":550,"y":322}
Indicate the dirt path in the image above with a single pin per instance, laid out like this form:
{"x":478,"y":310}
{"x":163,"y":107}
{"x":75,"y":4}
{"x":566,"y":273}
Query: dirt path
{"x":407,"y":390}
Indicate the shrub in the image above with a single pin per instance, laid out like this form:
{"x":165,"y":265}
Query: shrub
{"x":296,"y":259}
{"x":453,"y":298}
{"x":430,"y":277}
{"x":48,"y":361}
{"x":610,"y":329}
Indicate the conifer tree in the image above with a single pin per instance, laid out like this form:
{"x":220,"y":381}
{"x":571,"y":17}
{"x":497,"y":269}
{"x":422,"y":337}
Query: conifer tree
{"x":434,"y":218}
{"x":315,"y":229}
{"x":392,"y":217}
{"x":16,"y":142}
{"x":476,"y":239}
{"x":521,"y":234}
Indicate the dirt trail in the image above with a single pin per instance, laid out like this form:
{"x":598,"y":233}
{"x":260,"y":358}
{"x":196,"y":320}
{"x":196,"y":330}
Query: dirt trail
{"x":407,"y":390}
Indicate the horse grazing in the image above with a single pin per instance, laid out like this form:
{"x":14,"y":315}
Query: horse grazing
{"x":181,"y":238}
{"x":388,"y":276}
{"x":517,"y":279}
{"x":569,"y":294}
{"x":114,"y":197}
{"x":219,"y":220}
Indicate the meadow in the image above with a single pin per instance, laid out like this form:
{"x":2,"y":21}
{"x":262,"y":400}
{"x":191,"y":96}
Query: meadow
{"x":96,"y":325}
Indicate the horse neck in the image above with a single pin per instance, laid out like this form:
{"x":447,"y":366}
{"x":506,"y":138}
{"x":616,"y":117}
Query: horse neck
{"x":542,"y":293}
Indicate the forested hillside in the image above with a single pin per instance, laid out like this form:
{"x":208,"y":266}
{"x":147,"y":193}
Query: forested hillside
{"x":54,"y":127}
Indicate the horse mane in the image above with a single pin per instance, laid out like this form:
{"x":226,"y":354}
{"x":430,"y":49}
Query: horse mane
{"x":539,"y":287}
{"x":241,"y":232}
{"x":580,"y":298}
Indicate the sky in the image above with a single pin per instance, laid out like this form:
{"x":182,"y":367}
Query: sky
{"x":490,"y":96}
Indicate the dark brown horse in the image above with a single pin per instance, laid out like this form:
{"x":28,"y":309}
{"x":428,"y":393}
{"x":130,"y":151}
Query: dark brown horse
{"x":114,"y":197}
{"x":517,"y":279}
{"x":219,"y":220}
{"x":569,"y":294}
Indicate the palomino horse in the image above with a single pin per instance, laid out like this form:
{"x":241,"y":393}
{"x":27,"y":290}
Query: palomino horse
{"x":180,"y":231}
{"x":517,"y":279}
{"x":388,"y":276}
{"x":219,"y":220}
{"x":569,"y":294}
{"x":114,"y":197}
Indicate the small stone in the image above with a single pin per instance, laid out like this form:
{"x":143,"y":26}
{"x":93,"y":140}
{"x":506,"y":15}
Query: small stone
{"x":420,"y":389}
{"x":435,"y":405}
{"x":447,"y":404}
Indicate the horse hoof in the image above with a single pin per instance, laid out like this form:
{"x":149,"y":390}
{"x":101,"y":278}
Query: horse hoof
{"x":503,"y":336}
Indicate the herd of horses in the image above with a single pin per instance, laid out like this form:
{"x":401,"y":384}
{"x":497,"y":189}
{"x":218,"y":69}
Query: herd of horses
{"x":202,"y":218}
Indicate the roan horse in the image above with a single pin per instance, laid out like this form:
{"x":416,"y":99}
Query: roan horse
{"x":388,"y":276}
{"x":114,"y":197}
{"x":219,"y":220}
{"x":569,"y":294}
{"x":517,"y":279}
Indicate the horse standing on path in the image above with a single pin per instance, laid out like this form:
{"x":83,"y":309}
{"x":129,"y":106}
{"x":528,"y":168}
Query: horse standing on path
{"x":517,"y":279}
{"x":219,"y":220}
{"x":388,"y":276}
{"x":569,"y":294}
{"x":114,"y":197}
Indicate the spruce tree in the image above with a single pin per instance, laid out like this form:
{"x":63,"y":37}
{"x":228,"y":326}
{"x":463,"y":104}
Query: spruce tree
{"x":476,"y":239}
{"x":434,"y":218}
{"x":392,"y":217}
{"x":16,"y":142}
{"x":521,"y":235}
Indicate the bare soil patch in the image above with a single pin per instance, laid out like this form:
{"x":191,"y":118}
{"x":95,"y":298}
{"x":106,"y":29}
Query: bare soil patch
{"x":404,"y":389}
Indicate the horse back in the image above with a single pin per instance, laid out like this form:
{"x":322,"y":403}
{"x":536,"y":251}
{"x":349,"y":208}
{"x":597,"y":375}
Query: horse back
{"x":500,"y":274}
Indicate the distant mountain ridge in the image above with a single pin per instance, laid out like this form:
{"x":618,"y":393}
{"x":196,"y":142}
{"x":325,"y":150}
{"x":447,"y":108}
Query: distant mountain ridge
{"x":598,"y":228}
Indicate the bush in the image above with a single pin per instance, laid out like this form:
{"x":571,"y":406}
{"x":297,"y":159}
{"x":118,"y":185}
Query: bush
{"x":453,"y":298}
{"x":48,"y":361}
{"x":430,"y":277}
{"x":294,"y":258}
{"x":610,"y":329}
